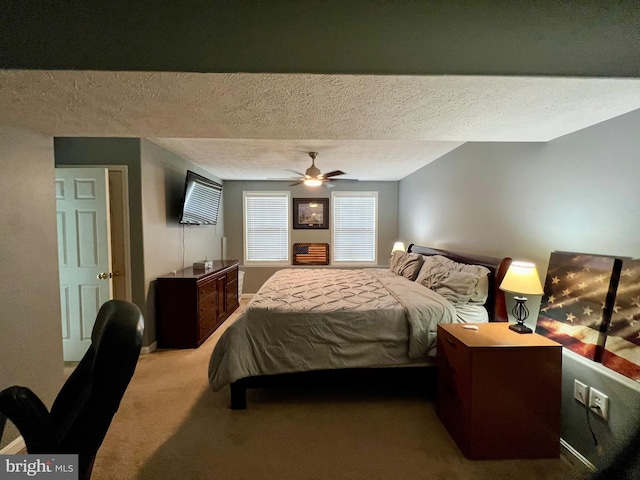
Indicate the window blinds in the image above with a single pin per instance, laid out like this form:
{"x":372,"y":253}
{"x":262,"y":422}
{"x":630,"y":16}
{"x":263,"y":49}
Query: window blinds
{"x":266,"y":226}
{"x":354,"y":226}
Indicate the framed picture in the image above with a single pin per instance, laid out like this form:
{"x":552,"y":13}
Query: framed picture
{"x":311,"y":254}
{"x":311,"y":213}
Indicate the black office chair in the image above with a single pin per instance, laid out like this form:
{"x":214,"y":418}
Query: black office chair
{"x":83,"y":410}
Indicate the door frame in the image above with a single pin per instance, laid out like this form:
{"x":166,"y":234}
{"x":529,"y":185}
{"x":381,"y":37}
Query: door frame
{"x":124,"y":222}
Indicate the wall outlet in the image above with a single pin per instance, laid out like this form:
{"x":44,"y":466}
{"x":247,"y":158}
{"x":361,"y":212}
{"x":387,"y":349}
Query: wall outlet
{"x":580,"y":392}
{"x":599,"y":403}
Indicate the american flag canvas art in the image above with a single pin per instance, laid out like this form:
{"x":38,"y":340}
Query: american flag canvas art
{"x":578,"y":300}
{"x":622,"y":346}
{"x":311,"y":254}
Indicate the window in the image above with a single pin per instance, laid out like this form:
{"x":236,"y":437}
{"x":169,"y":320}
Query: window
{"x":266,"y":227}
{"x":354,"y":222}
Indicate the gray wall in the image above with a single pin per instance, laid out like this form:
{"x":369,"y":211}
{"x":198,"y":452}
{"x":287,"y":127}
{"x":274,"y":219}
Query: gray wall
{"x":233,"y":214}
{"x":30,"y":324}
{"x":577,"y":193}
{"x":167,"y":244}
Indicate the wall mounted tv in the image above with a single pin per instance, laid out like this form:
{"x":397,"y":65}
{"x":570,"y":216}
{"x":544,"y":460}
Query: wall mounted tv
{"x":201,"y":200}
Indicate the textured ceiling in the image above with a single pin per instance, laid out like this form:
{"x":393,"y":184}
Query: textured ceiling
{"x":254,"y":126}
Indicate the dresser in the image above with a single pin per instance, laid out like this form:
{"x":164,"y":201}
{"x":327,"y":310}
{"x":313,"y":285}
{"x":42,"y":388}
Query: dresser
{"x":191,"y":304}
{"x":499,"y":392}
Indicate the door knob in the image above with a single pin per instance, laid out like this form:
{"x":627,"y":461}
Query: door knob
{"x":103,"y":276}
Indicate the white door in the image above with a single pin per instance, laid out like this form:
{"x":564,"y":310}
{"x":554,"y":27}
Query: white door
{"x":84,"y":253}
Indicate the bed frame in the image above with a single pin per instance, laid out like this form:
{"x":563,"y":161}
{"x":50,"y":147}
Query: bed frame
{"x":495,"y":305}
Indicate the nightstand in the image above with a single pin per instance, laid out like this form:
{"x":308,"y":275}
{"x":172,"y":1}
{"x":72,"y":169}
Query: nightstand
{"x":499,"y":392}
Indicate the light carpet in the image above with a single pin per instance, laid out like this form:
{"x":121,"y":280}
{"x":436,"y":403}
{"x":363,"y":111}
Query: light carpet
{"x":171,"y":425}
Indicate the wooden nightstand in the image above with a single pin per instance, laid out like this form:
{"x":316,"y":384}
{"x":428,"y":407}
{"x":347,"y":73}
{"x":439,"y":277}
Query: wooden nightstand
{"x":499,"y":392}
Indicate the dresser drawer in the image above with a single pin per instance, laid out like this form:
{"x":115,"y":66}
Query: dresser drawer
{"x":232,"y":275}
{"x":206,"y":288}
{"x":208,"y":307}
{"x":207,"y":324}
{"x":232,"y":293}
{"x":453,"y":353}
{"x":451,"y":411}
{"x":454,"y":380}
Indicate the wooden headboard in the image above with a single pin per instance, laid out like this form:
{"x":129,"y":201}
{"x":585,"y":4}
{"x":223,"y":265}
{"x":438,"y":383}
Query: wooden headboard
{"x":496,"y":305}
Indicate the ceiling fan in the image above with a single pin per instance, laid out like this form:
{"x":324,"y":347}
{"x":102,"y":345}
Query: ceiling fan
{"x":312,"y":177}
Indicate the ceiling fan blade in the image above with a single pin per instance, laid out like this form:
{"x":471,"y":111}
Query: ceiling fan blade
{"x":345,"y":180}
{"x":333,"y":174}
{"x":294,"y":171}
{"x":294,"y":184}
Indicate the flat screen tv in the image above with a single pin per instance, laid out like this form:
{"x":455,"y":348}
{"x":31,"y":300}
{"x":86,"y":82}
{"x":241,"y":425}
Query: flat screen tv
{"x":201,"y":200}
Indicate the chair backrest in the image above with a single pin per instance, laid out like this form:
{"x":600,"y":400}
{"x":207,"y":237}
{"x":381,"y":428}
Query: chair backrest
{"x":84,"y":408}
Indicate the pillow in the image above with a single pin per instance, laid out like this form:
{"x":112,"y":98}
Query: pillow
{"x":457,"y":287}
{"x":481,"y":292}
{"x":405,"y":264}
{"x":434,"y":270}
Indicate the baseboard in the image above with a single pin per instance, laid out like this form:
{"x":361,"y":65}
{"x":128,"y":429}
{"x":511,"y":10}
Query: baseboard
{"x":150,"y":349}
{"x":14,"y":447}
{"x":247,"y":296}
{"x":575,"y":458}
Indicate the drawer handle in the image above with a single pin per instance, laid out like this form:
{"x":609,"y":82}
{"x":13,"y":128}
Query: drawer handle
{"x":451,"y":342}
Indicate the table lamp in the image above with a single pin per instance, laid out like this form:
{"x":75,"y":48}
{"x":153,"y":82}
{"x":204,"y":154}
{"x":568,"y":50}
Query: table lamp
{"x":398,"y":246}
{"x":521,"y":279}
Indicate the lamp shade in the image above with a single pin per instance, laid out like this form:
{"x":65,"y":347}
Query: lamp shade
{"x":522,"y":277}
{"x":398,"y":246}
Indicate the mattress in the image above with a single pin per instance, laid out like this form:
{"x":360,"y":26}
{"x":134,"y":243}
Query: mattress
{"x":317,"y":319}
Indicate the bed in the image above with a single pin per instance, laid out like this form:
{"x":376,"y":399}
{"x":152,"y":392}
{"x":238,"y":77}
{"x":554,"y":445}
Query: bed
{"x":306,"y":321}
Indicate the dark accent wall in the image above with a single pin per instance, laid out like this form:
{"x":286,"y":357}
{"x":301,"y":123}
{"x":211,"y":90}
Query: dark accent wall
{"x":545,"y":37}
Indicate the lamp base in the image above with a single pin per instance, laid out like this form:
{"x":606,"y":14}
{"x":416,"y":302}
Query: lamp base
{"x":520,"y":328}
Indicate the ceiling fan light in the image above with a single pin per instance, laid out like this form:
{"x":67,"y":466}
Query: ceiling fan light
{"x":312,"y":182}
